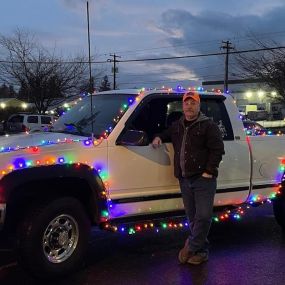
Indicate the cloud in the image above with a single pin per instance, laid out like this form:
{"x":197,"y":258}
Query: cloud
{"x":204,"y":32}
{"x":198,"y":28}
{"x":152,"y":28}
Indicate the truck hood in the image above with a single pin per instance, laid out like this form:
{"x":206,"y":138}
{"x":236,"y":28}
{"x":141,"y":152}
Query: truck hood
{"x":48,"y":148}
{"x":36,"y":139}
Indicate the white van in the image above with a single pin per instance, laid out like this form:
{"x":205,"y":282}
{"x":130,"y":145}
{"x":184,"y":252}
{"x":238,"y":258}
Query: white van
{"x":28,"y":122}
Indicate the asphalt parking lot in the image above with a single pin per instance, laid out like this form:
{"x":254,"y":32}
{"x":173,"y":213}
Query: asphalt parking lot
{"x":250,"y":251}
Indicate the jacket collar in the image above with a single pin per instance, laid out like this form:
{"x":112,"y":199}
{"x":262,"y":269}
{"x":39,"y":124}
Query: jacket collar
{"x":201,"y":118}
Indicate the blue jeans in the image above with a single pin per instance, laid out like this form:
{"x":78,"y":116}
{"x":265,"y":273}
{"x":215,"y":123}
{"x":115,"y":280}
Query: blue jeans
{"x":198,"y":197}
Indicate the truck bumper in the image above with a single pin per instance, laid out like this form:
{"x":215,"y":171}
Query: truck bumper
{"x":2,"y":214}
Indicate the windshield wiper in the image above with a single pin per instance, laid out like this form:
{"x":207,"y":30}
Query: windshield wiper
{"x":76,"y":126}
{"x":71,"y":132}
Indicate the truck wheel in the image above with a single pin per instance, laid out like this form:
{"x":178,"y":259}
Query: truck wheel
{"x":53,"y":238}
{"x":279,"y":210}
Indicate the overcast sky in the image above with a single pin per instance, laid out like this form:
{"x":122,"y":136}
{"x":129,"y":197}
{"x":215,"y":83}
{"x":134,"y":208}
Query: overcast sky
{"x":149,"y":29}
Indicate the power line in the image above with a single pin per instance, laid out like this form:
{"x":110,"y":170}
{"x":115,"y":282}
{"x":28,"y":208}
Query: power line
{"x":151,"y":59}
{"x":260,"y":36}
{"x":173,"y":72}
{"x":169,"y":73}
{"x":52,"y":62}
{"x":200,"y":55}
{"x":172,"y":80}
{"x":193,"y":44}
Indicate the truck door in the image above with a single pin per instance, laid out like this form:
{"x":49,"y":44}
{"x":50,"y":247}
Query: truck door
{"x":142,"y":178}
{"x":234,"y":170}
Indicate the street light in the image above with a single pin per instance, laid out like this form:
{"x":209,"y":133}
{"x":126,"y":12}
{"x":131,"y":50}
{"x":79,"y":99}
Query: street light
{"x":248,"y":94}
{"x":260,"y":94}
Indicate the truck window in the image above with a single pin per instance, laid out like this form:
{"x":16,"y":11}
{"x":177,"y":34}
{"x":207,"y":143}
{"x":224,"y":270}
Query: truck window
{"x":159,"y":113}
{"x":106,"y":107}
{"x":150,"y":117}
{"x":214,"y":109}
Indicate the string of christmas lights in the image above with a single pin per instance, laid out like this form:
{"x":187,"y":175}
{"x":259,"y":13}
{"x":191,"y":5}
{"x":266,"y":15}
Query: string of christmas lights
{"x":23,"y":163}
{"x":20,"y":163}
{"x":157,"y":226}
{"x":233,"y":214}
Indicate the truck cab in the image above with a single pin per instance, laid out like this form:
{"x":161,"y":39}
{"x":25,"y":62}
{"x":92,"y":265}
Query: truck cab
{"x":152,"y":184}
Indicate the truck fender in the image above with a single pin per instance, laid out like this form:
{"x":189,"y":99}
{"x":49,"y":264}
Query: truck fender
{"x":13,"y":183}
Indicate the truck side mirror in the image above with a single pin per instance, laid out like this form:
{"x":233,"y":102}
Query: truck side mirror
{"x":133,"y":137}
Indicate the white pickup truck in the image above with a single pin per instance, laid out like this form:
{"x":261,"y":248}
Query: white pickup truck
{"x":98,"y":168}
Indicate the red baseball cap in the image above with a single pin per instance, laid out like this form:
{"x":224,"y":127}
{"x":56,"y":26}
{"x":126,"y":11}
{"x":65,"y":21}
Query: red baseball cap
{"x":193,"y":95}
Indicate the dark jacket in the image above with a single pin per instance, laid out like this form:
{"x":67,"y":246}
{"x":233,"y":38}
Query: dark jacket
{"x":197,"y":148}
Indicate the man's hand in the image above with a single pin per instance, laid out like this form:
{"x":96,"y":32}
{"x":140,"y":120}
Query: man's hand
{"x":206,"y":175}
{"x":156,"y":142}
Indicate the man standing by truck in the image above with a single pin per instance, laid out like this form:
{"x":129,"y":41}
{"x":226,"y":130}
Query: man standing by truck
{"x":198,"y":149}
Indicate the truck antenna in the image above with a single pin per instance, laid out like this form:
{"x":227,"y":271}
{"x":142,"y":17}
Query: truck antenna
{"x":90,"y":75}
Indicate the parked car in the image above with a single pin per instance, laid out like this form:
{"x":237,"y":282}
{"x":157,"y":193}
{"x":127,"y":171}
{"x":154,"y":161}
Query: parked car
{"x":2,"y":132}
{"x":28,"y":122}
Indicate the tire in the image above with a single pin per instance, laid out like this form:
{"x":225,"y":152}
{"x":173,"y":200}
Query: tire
{"x":279,"y":210}
{"x":53,"y":238}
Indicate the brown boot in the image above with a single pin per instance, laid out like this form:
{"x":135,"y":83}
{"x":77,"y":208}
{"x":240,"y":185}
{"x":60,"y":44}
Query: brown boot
{"x":198,"y":259}
{"x":185,"y":254}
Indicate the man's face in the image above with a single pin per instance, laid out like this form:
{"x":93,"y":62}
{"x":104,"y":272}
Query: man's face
{"x":191,"y":109}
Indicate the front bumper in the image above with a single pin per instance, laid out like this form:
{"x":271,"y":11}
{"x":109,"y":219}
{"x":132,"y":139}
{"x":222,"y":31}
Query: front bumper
{"x":2,"y":214}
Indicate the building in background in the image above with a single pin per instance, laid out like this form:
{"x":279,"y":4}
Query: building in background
{"x":252,"y":97}
{"x":6,"y":103}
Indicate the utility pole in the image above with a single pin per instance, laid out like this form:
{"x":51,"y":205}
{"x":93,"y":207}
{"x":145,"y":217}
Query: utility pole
{"x":227,"y":46}
{"x":114,"y":68}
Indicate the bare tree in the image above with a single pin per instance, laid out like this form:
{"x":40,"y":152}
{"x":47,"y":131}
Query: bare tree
{"x":42,"y":76}
{"x":268,"y":66}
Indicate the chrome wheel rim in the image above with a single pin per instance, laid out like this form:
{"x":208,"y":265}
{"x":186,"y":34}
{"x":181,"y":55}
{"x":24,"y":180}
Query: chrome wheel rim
{"x":60,"y":238}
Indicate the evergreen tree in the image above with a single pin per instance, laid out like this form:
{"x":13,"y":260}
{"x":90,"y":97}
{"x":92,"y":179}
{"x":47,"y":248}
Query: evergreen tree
{"x":7,"y":92}
{"x":12,"y":92}
{"x":4,"y":91}
{"x":23,"y":93}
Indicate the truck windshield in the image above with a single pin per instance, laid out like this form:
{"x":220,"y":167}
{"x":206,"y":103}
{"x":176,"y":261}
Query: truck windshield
{"x":105,"y":109}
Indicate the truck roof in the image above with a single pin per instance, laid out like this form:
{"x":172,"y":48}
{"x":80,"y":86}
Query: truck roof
{"x":146,"y":92}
